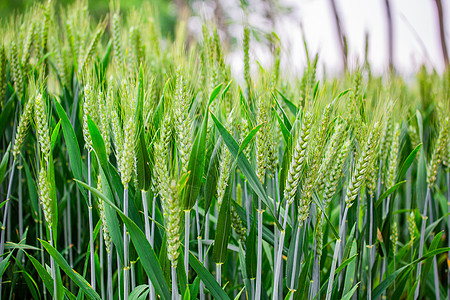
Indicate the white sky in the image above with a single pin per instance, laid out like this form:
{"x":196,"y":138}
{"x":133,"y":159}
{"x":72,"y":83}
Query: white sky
{"x":416,"y":35}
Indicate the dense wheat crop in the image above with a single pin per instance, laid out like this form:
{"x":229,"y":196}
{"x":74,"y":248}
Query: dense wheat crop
{"x":134,"y":166}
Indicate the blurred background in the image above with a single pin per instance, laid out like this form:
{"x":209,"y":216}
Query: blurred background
{"x":399,"y":35}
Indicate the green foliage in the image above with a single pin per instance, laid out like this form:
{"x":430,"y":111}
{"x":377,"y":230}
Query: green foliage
{"x":322,"y":180}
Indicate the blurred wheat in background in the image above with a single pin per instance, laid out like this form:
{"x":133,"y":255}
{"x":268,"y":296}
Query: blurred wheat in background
{"x":134,"y":164}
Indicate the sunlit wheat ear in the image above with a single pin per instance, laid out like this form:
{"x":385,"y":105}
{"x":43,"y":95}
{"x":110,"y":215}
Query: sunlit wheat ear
{"x":236,"y":221}
{"x":27,"y":44}
{"x":362,"y":165}
{"x":394,"y":237}
{"x":183,"y":123}
{"x":393,"y":156}
{"x":2,"y":74}
{"x":336,"y":173}
{"x":298,"y":159}
{"x":261,"y":143}
{"x":90,"y":50}
{"x":162,"y":159}
{"x":104,"y":122}
{"x":44,"y":196}
{"x":118,"y":58}
{"x":411,"y":227}
{"x":224,"y":168}
{"x":436,"y":158}
{"x":413,"y":136}
{"x":101,"y":210}
{"x":45,"y":28}
{"x":333,"y":148}
{"x":22,"y":127}
{"x":128,"y":156}
{"x":40,"y":113}
{"x":17,"y":71}
{"x":173,"y":219}
{"x":446,"y":147}
{"x":88,"y":109}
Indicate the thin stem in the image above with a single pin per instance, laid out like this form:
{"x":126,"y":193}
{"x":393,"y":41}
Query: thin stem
{"x":119,"y":267}
{"x":200,"y":250}
{"x":371,"y":250}
{"x":249,"y":206}
{"x":146,"y":220}
{"x":41,"y":234}
{"x":5,"y":216}
{"x":435,"y":269}
{"x":20,"y":199}
{"x":294,"y":267}
{"x":53,"y":267}
{"x":316,"y":267}
{"x":448,"y":223}
{"x":69,"y":235}
{"x":102,"y":278}
{"x":205,"y":258}
{"x":186,"y":243}
{"x":79,"y":223}
{"x":133,"y":278}
{"x":259,"y":253}
{"x":91,"y":225}
{"x":110,"y":283}
{"x":276,"y":230}
{"x":279,"y":254}
{"x":422,"y":241}
{"x":174,"y":283}
{"x":125,"y":246}
{"x":219,"y":274}
{"x":148,"y":235}
{"x":152,"y":239}
{"x":337,"y":249}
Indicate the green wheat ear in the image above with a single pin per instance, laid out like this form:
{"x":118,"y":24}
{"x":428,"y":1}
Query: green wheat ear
{"x":298,"y":159}
{"x":22,"y":128}
{"x":44,"y":196}
{"x":362,"y":166}
{"x":40,"y":112}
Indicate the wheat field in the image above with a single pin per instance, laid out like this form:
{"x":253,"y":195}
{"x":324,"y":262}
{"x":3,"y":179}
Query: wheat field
{"x":134,"y":166}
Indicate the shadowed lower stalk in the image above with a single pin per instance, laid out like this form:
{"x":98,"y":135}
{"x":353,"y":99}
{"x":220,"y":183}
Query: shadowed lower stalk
{"x":337,"y":249}
{"x":435,"y":268}
{"x":174,"y":282}
{"x":125,"y":246}
{"x":186,"y":243}
{"x":200,"y":249}
{"x":259,"y":252}
{"x":102,"y":278}
{"x":148,"y":236}
{"x":294,"y":268}
{"x":53,"y":268}
{"x":315,"y":275}
{"x":248,"y":206}
{"x":79,"y":223}
{"x":205,"y":258}
{"x":219,"y":274}
{"x":119,"y":267}
{"x":279,"y":254}
{"x":276,"y":230}
{"x":448,"y":223}
{"x":5,"y":216}
{"x":91,"y":226}
{"x":371,"y":250}
{"x":422,"y":241}
{"x":109,"y":284}
{"x":20,"y":199}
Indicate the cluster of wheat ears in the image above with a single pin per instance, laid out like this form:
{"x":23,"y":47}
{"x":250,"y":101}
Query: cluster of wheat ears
{"x":133,"y":167}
